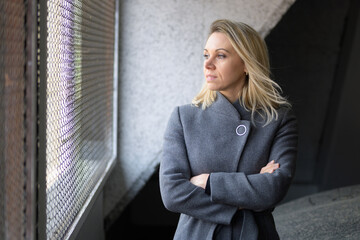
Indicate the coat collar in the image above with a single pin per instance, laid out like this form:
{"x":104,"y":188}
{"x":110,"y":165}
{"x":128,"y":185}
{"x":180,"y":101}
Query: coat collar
{"x":238,"y":119}
{"x":223,"y":106}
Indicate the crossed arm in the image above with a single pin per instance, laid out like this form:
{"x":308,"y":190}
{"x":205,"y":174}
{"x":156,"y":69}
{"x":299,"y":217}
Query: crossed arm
{"x":229,"y":191}
{"x":201,"y":179}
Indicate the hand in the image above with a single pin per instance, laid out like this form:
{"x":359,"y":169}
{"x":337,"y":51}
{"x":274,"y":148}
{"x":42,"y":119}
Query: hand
{"x":200,"y":180}
{"x":270,"y":167}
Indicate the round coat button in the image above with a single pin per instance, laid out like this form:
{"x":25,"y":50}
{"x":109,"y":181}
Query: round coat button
{"x":241,"y":130}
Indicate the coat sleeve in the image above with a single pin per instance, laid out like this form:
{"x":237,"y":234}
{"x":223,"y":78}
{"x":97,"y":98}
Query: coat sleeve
{"x":177,"y":192}
{"x":261,"y":191}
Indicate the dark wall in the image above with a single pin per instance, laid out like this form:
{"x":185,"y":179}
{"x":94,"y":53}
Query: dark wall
{"x":311,"y":49}
{"x":145,"y":217}
{"x":339,"y":157}
{"x":304,"y":50}
{"x":315,"y":56}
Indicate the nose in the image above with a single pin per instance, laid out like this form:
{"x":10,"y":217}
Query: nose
{"x":208,"y":64}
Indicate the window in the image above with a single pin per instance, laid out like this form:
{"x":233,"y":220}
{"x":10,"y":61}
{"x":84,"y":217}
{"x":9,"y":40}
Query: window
{"x":77,"y":103}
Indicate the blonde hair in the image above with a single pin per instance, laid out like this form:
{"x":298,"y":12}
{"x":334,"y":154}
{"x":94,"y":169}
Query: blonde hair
{"x":260,"y":93}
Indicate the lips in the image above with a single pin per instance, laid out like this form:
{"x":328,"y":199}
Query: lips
{"x":210,"y":77}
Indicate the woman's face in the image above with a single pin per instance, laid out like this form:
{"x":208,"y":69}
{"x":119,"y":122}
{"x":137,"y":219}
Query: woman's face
{"x":224,"y":70}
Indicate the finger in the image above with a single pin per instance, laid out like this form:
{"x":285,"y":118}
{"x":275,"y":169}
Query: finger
{"x":266,"y":170}
{"x":269,"y":169}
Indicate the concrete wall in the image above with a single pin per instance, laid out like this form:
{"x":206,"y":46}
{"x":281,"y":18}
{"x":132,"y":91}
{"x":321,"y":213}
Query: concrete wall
{"x":161,"y":44}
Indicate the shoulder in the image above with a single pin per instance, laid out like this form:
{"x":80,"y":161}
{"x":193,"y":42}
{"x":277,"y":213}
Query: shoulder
{"x":280,"y":115}
{"x":287,"y":121}
{"x":286,"y":114}
{"x":187,"y":111}
{"x":188,"y":108}
{"x":183,"y":113}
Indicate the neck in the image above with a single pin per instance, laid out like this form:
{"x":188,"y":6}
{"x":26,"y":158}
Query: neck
{"x":231,"y":97}
{"x":233,"y":93}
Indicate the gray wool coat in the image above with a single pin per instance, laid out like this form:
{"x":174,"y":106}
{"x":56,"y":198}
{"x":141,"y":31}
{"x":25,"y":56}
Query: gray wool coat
{"x":225,"y":143}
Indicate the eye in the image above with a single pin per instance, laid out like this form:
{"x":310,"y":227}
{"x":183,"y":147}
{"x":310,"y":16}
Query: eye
{"x":206,"y":56}
{"x":221,"y":56}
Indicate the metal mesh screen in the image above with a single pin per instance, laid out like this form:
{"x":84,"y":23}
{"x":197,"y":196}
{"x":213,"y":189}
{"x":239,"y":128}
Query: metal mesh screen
{"x":12,"y":130}
{"x":79,"y":106}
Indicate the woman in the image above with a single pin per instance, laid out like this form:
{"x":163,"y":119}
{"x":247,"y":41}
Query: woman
{"x":229,"y":157}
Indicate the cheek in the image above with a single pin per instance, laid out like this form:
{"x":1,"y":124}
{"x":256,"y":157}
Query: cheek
{"x":236,"y":70}
{"x":230,"y":73}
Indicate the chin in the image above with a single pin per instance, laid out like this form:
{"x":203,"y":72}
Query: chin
{"x":211,"y":87}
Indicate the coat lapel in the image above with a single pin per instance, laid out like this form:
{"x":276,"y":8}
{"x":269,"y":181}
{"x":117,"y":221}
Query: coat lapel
{"x":223,"y":106}
{"x":238,"y":129}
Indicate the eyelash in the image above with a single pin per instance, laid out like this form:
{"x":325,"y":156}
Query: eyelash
{"x":221,"y":56}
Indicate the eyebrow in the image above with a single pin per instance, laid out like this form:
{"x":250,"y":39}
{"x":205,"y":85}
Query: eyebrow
{"x":219,"y":50}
